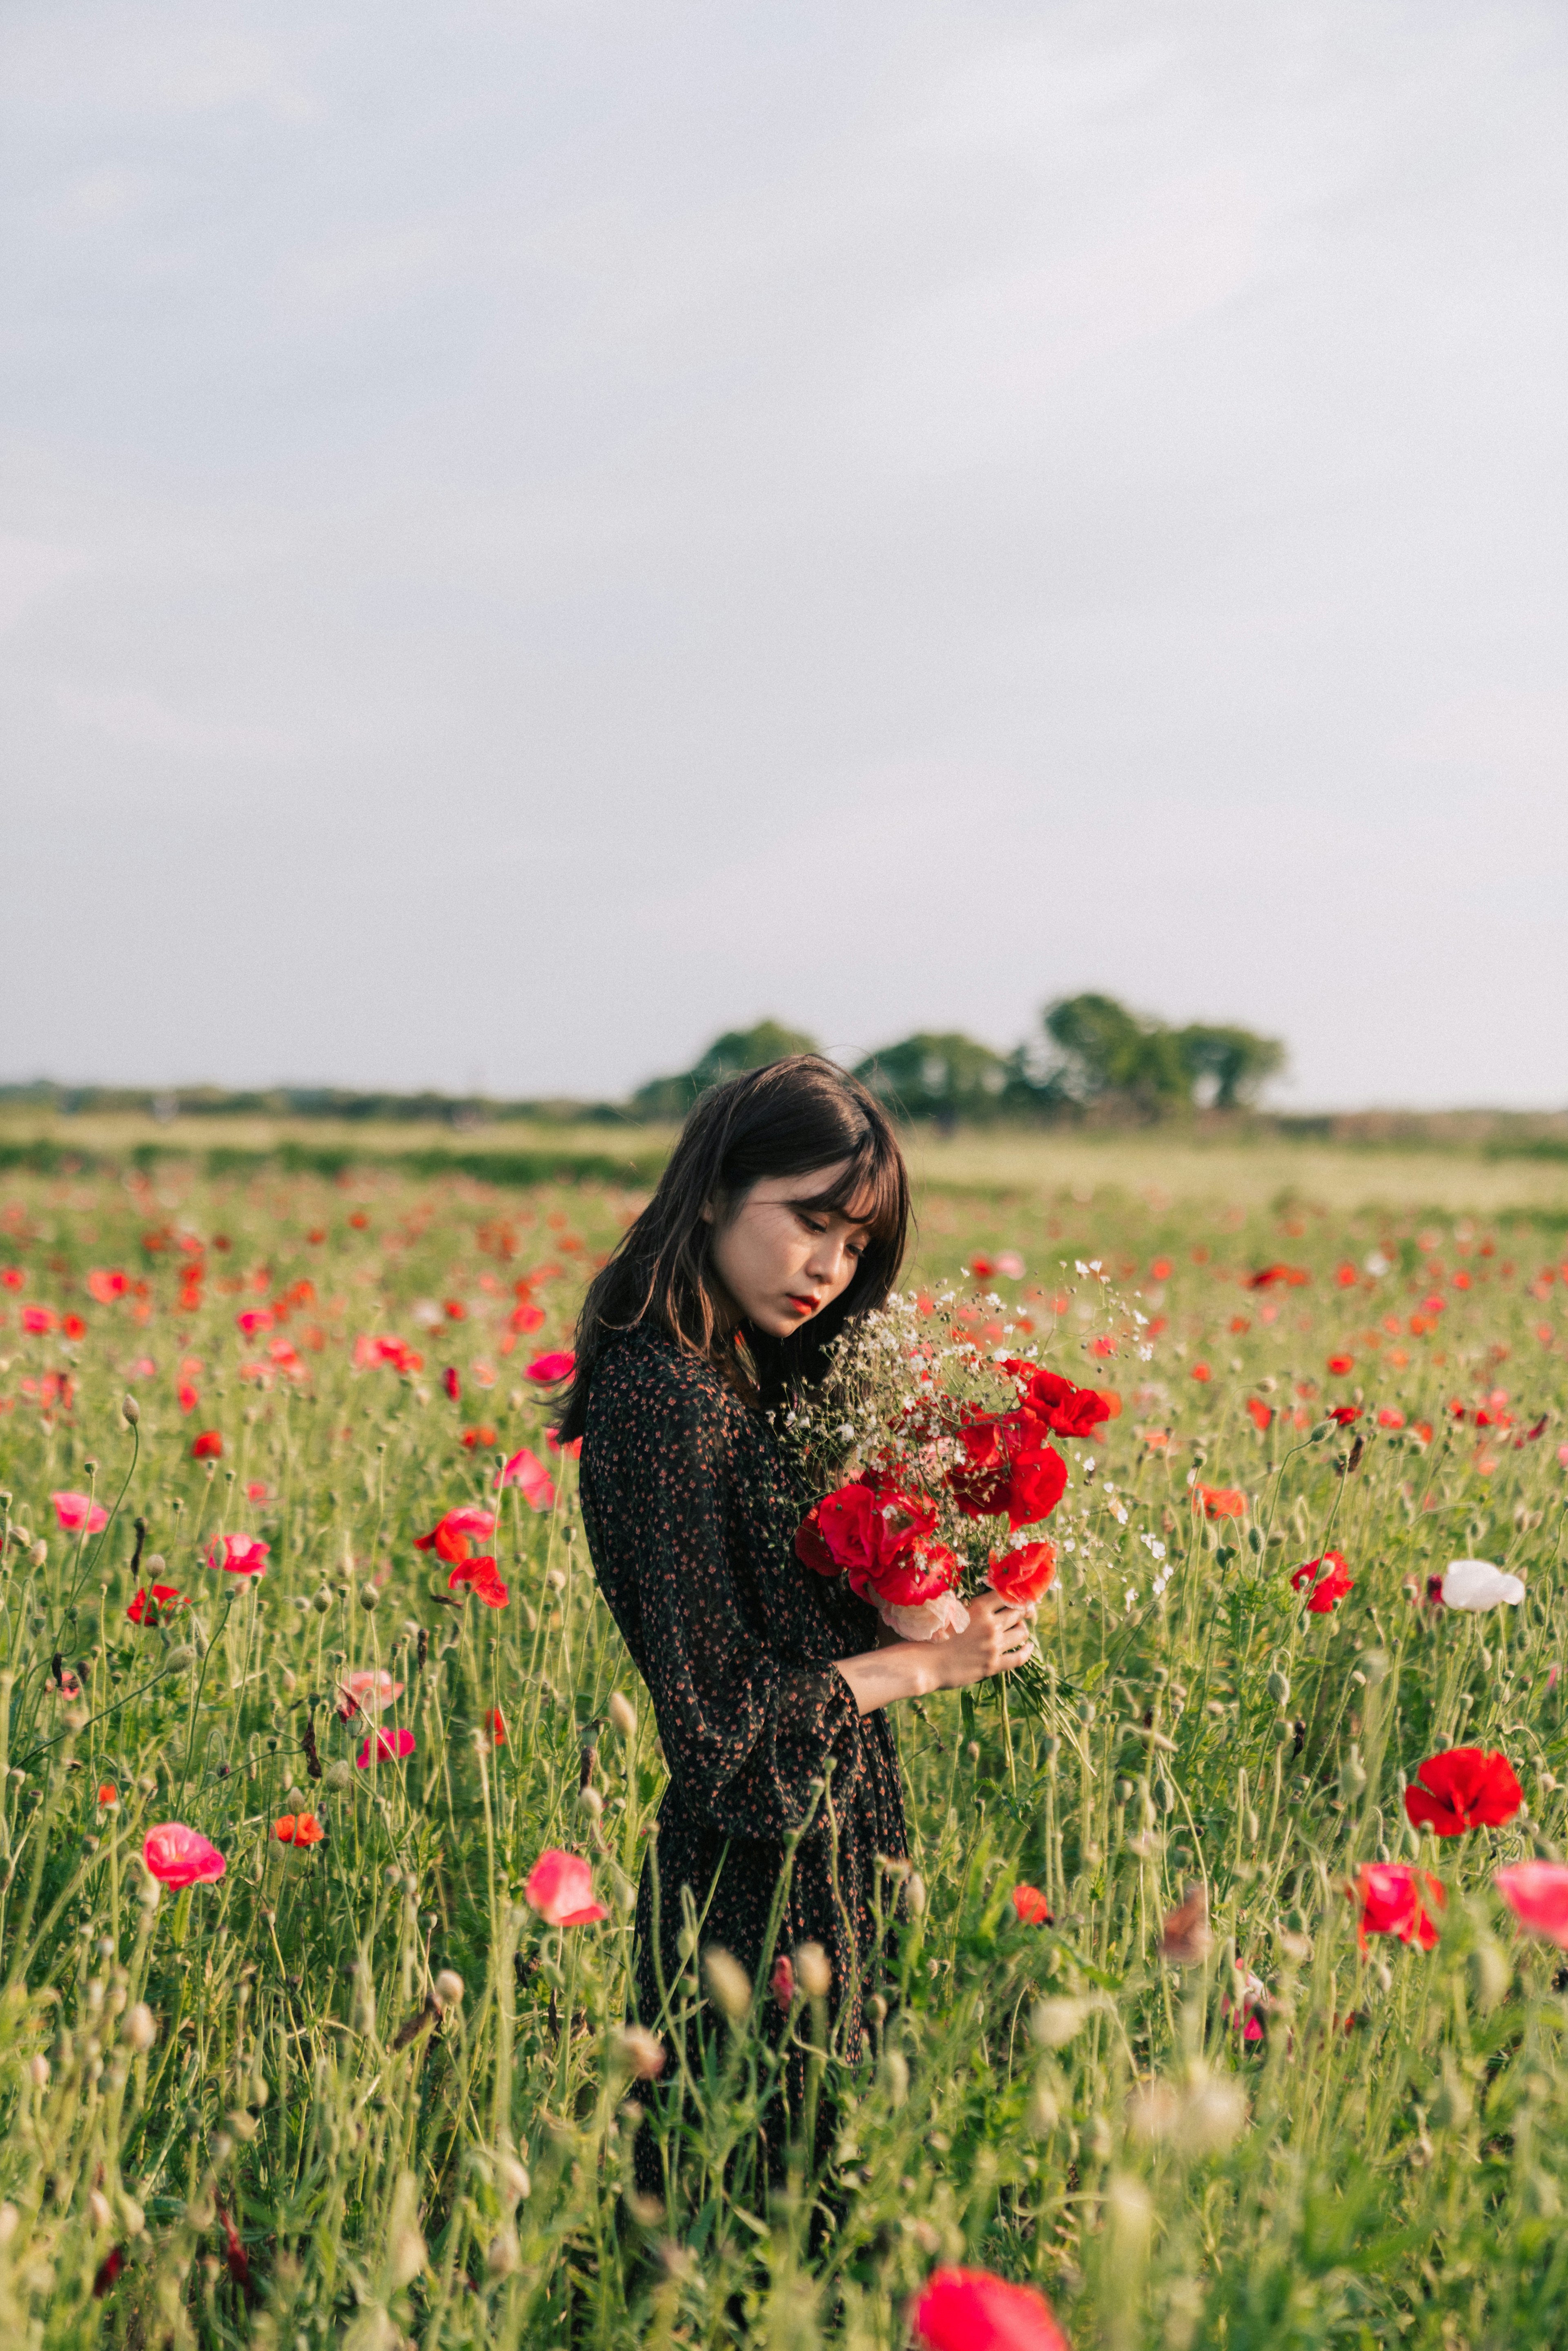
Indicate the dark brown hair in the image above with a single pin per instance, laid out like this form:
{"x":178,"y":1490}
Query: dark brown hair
{"x":788,"y":1119}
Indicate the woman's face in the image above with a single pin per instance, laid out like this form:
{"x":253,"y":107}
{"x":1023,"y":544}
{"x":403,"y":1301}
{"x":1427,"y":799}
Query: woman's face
{"x":781,"y":1261}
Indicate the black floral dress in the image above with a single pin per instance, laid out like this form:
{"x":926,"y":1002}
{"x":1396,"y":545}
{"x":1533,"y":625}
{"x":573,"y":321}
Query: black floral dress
{"x":691,"y":1509}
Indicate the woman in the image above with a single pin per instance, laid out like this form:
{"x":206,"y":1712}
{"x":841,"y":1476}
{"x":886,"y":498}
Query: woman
{"x":783,"y":1212}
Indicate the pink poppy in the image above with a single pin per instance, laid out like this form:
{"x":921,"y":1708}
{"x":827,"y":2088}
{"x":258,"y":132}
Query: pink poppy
{"x":76,"y":1513}
{"x":573,"y":1449}
{"x":448,"y":1538}
{"x":238,"y":1554}
{"x":106,"y":1286}
{"x":526,"y":1470}
{"x":1537,"y":1893}
{"x":547,"y":1369}
{"x":38,"y":1320}
{"x":390,"y":1747}
{"x":374,"y":1692}
{"x":258,"y":1490}
{"x":253,"y":1319}
{"x":176,"y":1855}
{"x":970,"y":2310}
{"x":560,"y":1888}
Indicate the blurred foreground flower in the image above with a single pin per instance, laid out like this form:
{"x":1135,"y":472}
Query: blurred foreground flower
{"x":150,"y":1607}
{"x":1537,"y":1893}
{"x":527,"y":1472}
{"x":547,"y":1369}
{"x":481,"y":1574}
{"x":1463,"y":1788}
{"x":298,"y":1828}
{"x":1394,"y":1900}
{"x":970,"y":2310}
{"x":208,"y":1446}
{"x":1031,"y":1906}
{"x":372,"y":1692}
{"x":176,"y":1855}
{"x":449,"y":1537}
{"x":1324,"y":1581}
{"x":560,"y":1886}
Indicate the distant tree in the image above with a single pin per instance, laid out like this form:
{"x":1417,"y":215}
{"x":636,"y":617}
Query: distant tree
{"x":1225,"y":1066}
{"x":1107,"y":1054}
{"x":947,"y":1077}
{"x":726,"y":1057}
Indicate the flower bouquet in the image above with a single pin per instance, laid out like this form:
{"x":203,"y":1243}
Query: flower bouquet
{"x":952,"y":1470}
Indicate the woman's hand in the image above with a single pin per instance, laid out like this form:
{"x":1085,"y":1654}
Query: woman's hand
{"x":997,"y":1638}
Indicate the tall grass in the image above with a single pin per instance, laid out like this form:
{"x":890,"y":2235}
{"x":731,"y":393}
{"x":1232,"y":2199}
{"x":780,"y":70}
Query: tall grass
{"x":262,"y":2111}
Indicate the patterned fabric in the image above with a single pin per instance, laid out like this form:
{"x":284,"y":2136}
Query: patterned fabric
{"x":691,"y":1510}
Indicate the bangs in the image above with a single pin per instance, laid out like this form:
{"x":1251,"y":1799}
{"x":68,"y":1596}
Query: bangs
{"x":869,"y":1192}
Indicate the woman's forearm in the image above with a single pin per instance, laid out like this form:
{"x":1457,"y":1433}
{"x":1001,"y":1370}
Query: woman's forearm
{"x":901,"y":1669}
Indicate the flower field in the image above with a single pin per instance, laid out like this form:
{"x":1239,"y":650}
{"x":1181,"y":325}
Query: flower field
{"x":1229,"y":2008}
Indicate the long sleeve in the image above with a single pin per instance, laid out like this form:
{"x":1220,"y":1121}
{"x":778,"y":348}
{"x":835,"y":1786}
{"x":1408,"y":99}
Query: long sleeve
{"x":745,"y":1731}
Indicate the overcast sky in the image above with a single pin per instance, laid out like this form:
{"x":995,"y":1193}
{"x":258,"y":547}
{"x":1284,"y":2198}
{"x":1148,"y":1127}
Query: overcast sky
{"x":532,"y":533}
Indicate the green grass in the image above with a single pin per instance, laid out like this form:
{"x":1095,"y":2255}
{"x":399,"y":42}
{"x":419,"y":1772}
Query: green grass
{"x":1386,"y":2164}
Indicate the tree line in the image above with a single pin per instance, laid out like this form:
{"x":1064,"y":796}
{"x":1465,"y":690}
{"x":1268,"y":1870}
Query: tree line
{"x":1091,"y":1055}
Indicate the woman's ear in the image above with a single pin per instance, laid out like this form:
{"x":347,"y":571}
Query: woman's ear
{"x":707,"y":1212}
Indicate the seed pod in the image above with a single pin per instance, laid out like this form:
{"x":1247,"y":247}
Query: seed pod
{"x":448,"y":1989}
{"x":623,"y":1715}
{"x":138,"y":2030}
{"x":813,"y":1970}
{"x":1279,"y":1688}
{"x":640,"y":2052}
{"x":369,"y":1596}
{"x":130,"y":1408}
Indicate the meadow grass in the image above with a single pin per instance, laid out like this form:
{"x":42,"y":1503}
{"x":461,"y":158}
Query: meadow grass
{"x":257,"y":2111}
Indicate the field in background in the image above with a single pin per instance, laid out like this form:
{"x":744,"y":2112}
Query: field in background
{"x":1261,"y":2136}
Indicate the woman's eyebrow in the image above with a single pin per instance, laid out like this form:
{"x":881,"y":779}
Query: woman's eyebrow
{"x":831,"y":1208}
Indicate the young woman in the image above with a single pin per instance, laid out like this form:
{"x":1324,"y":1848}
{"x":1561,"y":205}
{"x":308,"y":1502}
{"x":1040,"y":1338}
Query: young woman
{"x":783,"y":1212}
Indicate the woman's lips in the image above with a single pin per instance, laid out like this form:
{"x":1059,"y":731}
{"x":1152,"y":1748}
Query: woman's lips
{"x":802,"y":1305}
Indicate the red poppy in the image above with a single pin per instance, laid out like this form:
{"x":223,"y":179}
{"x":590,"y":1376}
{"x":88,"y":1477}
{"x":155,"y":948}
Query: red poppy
{"x":1463,"y":1788}
{"x":781,"y":1982}
{"x":1344,"y":1413}
{"x":1292,"y":1276}
{"x":238,"y":1554}
{"x":573,"y":1448}
{"x":1324,"y":1581}
{"x":560,"y":1886}
{"x":208,"y":1447}
{"x":149,"y":1607}
{"x":38,"y":1320}
{"x":73,"y":1326}
{"x":452,"y":1383}
{"x":107,"y":2270}
{"x":109,"y":1796}
{"x":482,"y":1575}
{"x":527,"y":1472}
{"x":527,"y":1316}
{"x":298,"y":1828}
{"x":1201,"y":1372}
{"x":1031,"y":1906}
{"x":481,"y":1435}
{"x":1396,"y":1900}
{"x":1066,"y":1410}
{"x":1390,"y":1416}
{"x":1023,"y":1574}
{"x":1260,"y":1414}
{"x":449,"y":1536}
{"x":970,"y":2310}
{"x":1008,"y":1466}
{"x":497,"y":1721}
{"x":253,"y":1319}
{"x":547,"y":1369}
{"x":12,"y":1276}
{"x":1219,"y":1501}
{"x":1340,"y":1364}
{"x":389,"y":1746}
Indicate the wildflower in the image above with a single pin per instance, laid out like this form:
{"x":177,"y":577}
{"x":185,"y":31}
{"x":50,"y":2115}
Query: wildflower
{"x":970,"y":2310}
{"x":547,"y":1369}
{"x":727,"y":1982}
{"x":298,"y":1828}
{"x":238,"y":1554}
{"x":176,"y":1855}
{"x":1186,"y":1941}
{"x":252,"y":1319}
{"x":481,"y":1575}
{"x":1031,"y":1906}
{"x":452,"y":1383}
{"x":108,"y":1797}
{"x":373,"y":1691}
{"x":1537,"y":1893}
{"x":1324,"y":1581}
{"x":209,"y":1444}
{"x":1260,"y":1414}
{"x":1219,"y":1501}
{"x":814,"y":1969}
{"x":781,"y":1982}
{"x":149,"y":1607}
{"x":37,"y":1321}
{"x":1340,"y":1364}
{"x":78,"y":1513}
{"x":390,"y":1746}
{"x":622,"y":1714}
{"x":1390,"y":1416}
{"x":642,"y":2051}
{"x":1396,"y":1900}
{"x":527,"y":1471}
{"x":1008,"y":1467}
{"x":1463,"y":1788}
{"x":449,"y":1536}
{"x":1477,"y":1583}
{"x":479,"y":1438}
{"x":1022,"y":1574}
{"x":107,"y":2270}
{"x":1344,"y":1413}
{"x":560,"y":1886}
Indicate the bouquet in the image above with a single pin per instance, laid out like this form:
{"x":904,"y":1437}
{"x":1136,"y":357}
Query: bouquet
{"x":954,"y":1468}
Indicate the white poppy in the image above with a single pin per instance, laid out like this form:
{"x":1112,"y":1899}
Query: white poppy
{"x":945,"y":1614}
{"x":1477,"y":1583}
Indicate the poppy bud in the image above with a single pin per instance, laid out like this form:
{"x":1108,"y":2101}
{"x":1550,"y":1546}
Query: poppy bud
{"x":448,"y":1989}
{"x":181,"y":1659}
{"x":916,"y":1893}
{"x":139,"y":2030}
{"x":322,"y":1602}
{"x":38,"y":1554}
{"x":130,"y":1408}
{"x":727,"y":1982}
{"x":502,"y":2255}
{"x":513,"y":2182}
{"x":1279,"y":1688}
{"x":642,"y":2051}
{"x":623,"y":1715}
{"x":591,"y":1802}
{"x":369,"y":1596}
{"x":813,"y":1970}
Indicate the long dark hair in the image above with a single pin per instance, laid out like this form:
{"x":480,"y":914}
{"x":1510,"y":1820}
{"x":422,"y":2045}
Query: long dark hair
{"x":788,"y":1119}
